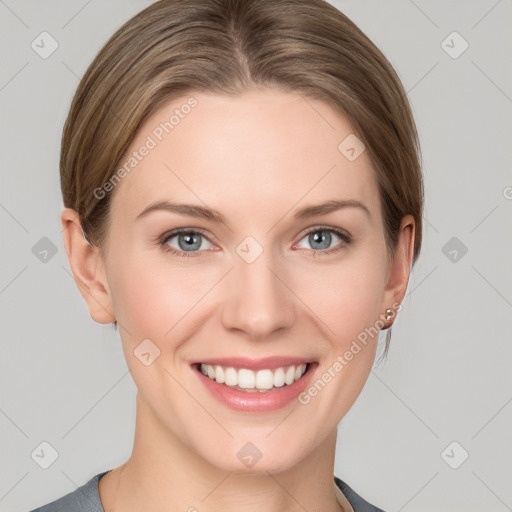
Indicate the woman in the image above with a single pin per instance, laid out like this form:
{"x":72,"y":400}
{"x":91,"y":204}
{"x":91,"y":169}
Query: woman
{"x":243,"y":199}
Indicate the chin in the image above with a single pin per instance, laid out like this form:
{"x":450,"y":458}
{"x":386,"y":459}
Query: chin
{"x":254,"y":458}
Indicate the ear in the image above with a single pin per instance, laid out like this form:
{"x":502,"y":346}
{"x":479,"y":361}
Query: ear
{"x":399,"y":268}
{"x":88,"y":268}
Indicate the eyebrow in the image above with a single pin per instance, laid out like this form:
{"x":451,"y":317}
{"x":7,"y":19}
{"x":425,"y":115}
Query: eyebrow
{"x":330,"y":206}
{"x":191,"y":210}
{"x":202,"y":212}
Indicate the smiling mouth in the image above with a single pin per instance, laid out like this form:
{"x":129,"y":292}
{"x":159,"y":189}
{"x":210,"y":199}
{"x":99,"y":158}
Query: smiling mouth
{"x":264,"y":380}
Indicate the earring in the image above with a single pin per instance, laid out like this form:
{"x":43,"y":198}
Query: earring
{"x":389,"y":314}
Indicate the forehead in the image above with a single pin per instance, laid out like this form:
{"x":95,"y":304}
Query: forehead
{"x":267,"y":148}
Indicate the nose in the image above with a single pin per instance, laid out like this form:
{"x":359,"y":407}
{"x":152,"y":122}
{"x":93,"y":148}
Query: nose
{"x":258,"y":302}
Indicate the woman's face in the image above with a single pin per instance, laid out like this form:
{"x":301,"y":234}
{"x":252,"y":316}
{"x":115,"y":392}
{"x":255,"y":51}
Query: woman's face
{"x":267,"y":274}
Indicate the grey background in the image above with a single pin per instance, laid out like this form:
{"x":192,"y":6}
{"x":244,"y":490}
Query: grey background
{"x":447,"y":378}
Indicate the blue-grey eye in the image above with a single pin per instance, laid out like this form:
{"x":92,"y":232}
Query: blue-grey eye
{"x":321,"y":239}
{"x":189,"y":241}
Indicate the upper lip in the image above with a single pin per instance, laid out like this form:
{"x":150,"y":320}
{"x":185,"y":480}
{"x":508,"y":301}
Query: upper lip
{"x":255,"y":364}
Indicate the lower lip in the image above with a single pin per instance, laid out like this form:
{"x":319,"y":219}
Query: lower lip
{"x":256,"y":401}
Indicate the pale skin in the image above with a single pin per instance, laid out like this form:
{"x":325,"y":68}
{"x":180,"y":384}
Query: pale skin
{"x":257,"y":159}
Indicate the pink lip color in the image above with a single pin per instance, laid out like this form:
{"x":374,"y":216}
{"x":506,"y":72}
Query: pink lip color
{"x":259,"y":402}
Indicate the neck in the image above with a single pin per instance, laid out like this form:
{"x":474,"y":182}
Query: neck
{"x":163,"y":473}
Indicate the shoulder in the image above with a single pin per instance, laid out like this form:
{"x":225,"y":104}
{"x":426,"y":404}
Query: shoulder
{"x":84,"y":499}
{"x":358,"y":503}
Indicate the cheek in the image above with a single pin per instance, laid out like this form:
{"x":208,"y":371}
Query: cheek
{"x":346,"y":300}
{"x":345,"y":297}
{"x":151,"y":294}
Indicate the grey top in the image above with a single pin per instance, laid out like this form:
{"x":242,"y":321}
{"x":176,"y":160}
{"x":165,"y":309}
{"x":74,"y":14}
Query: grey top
{"x":87,"y":499}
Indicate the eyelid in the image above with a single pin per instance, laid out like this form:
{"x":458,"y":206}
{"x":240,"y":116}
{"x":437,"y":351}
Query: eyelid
{"x":177,"y":231}
{"x":345,"y":235}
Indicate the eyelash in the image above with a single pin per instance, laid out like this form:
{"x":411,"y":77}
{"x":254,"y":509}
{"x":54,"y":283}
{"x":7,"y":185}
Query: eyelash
{"x":347,"y":239}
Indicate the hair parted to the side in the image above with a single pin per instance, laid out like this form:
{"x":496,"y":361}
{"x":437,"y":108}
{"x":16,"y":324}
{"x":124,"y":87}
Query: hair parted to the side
{"x":175,"y":47}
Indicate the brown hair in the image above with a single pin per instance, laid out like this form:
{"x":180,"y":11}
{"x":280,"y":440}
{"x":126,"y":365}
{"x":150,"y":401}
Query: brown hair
{"x":228,"y":46}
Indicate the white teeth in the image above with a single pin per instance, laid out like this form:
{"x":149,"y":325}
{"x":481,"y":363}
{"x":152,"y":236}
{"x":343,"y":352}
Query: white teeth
{"x":246,"y":379}
{"x":219,"y":374}
{"x":290,"y":375}
{"x":279,"y":378}
{"x":231,"y":377}
{"x":260,"y":380}
{"x":264,"y":379}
